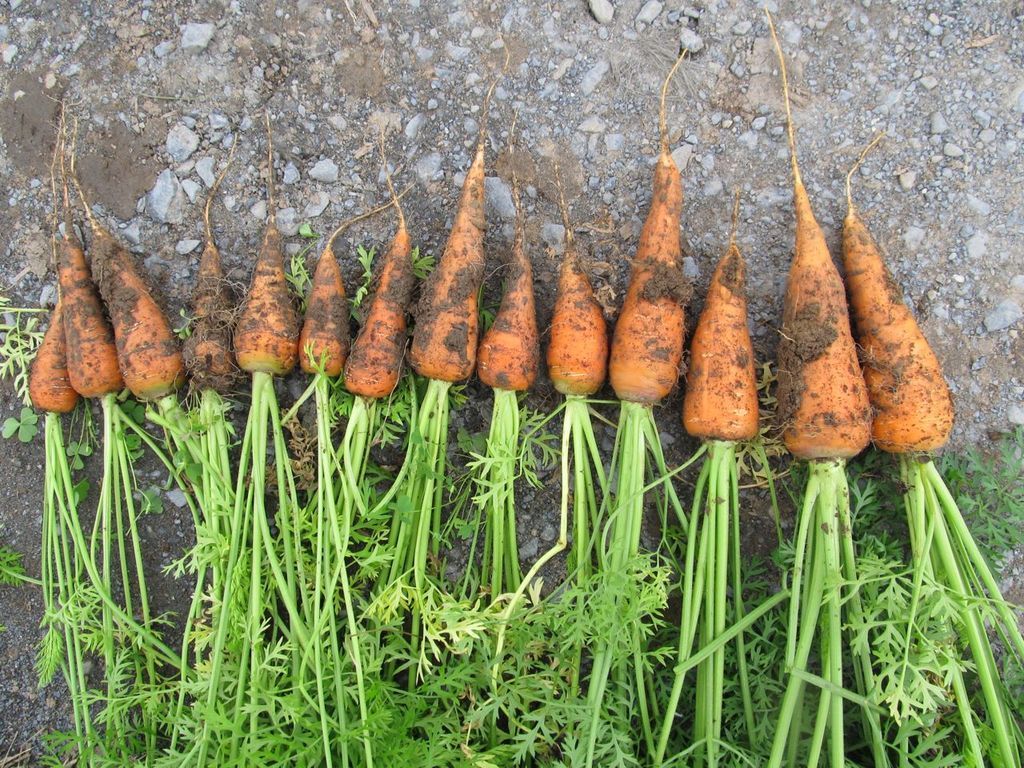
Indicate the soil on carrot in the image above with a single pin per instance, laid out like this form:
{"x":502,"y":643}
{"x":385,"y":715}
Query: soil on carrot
{"x":464,"y":284}
{"x":732,"y":274}
{"x":666,"y":282}
{"x":808,"y":335}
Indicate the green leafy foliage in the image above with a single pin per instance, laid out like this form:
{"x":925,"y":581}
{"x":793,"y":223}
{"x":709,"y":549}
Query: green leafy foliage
{"x":24,"y":426}
{"x":20,"y":337}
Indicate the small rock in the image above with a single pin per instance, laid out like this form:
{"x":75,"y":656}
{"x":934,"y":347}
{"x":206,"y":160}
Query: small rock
{"x":48,"y":296}
{"x":181,"y":143}
{"x":10,"y":51}
{"x":758,"y":123}
{"x":690,"y":269}
{"x":259,"y":210}
{"x":191,"y":189}
{"x":913,"y":237}
{"x":325,"y":170}
{"x":186,"y":246}
{"x":742,"y":27}
{"x":615,"y":142}
{"x":977,"y":245}
{"x":1015,"y":414}
{"x":317,"y":205}
{"x":593,"y":77}
{"x":681,"y":156}
{"x":1006,"y":313}
{"x":291,"y":174}
{"x":978,"y":205}
{"x":952,"y":150}
{"x":748,"y":139}
{"x":456,"y":52}
{"x":195,"y":37}
{"x":553,"y":236}
{"x":499,"y":198}
{"x":166,"y":200}
{"x":987,"y":136}
{"x":929,"y":82}
{"x":288,"y":222}
{"x":602,"y":10}
{"x":690,"y":40}
{"x":204,"y":168}
{"x":176,"y":497}
{"x":713,"y":187}
{"x":592,"y":124}
{"x":650,"y":11}
{"x":428,"y":167}
{"x":164,"y":49}
{"x":412,"y":128}
{"x":907,"y":180}
{"x":132,"y":233}
{"x":938,"y":124}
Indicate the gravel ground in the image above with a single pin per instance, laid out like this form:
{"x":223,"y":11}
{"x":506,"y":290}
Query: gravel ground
{"x":163,"y":89}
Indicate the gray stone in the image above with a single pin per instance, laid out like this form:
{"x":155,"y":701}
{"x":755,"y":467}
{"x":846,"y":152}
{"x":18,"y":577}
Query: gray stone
{"x":166,"y":201}
{"x":195,"y":37}
{"x":681,"y":156}
{"x":553,"y":236}
{"x":602,"y":10}
{"x":164,"y":49}
{"x":977,"y":246}
{"x":218,"y":122}
{"x":615,"y":142}
{"x":456,"y":52}
{"x":691,"y":271}
{"x":499,"y":198}
{"x":748,"y":139}
{"x":412,"y":128}
{"x":288,"y":222}
{"x":259,"y":210}
{"x":181,"y":143}
{"x":191,"y":189}
{"x":318,"y":204}
{"x":48,"y":296}
{"x":592,"y":77}
{"x":204,"y":168}
{"x":429,"y":166}
{"x":291,"y":174}
{"x":978,"y":205}
{"x":938,"y":124}
{"x":907,"y":180}
{"x":742,"y":27}
{"x":176,"y":496}
{"x":650,"y":11}
{"x":713,"y":187}
{"x":913,"y":237}
{"x":325,"y":170}
{"x":1015,"y":414}
{"x":690,"y":40}
{"x":132,"y":233}
{"x":186,"y":246}
{"x":1006,"y":313}
{"x":952,"y":150}
{"x":592,"y":124}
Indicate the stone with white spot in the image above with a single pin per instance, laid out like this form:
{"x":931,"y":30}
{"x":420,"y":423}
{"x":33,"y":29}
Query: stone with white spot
{"x":181,"y":142}
{"x":166,"y":201}
{"x":325,"y":170}
{"x":602,"y":10}
{"x":649,"y":12}
{"x":196,"y":36}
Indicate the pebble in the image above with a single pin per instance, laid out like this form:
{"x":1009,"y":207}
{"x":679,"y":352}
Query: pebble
{"x":325,"y":170}
{"x":593,"y":77}
{"x":649,"y":12}
{"x":429,"y":166}
{"x":456,"y":52}
{"x":291,"y":173}
{"x":498,"y":198}
{"x":10,"y":51}
{"x":913,"y":237}
{"x":288,"y":222}
{"x":181,"y":142}
{"x":758,"y":123}
{"x":48,"y":296}
{"x":1015,"y":414}
{"x":204,"y":168}
{"x":602,"y":10}
{"x":713,"y":187}
{"x":317,"y":205}
{"x":742,"y":27}
{"x":132,"y":233}
{"x":1006,"y":313}
{"x":592,"y":124}
{"x":748,"y":139}
{"x":191,"y":189}
{"x":907,"y":180}
{"x":681,"y":156}
{"x":553,"y":236}
{"x":195,"y":37}
{"x":186,"y":246}
{"x":164,"y":49}
{"x":690,"y":40}
{"x":165,"y":202}
{"x":412,"y":128}
{"x":176,"y":496}
{"x":952,"y":150}
{"x":977,"y":246}
{"x":929,"y":82}
{"x":690,"y":269}
{"x":218,"y":122}
{"x":987,"y":136}
{"x":615,"y":142}
{"x":938,"y":124}
{"x":259,"y":210}
{"x":978,"y":205}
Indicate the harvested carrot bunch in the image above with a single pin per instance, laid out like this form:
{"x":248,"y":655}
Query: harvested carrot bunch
{"x":913,"y":419}
{"x":826,"y":419}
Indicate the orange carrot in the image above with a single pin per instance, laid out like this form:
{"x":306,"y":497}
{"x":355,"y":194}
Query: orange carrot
{"x":913,"y":407}
{"x":207,"y":351}
{"x":509,"y":353}
{"x":267,"y":335}
{"x":577,"y":354}
{"x":823,"y":401}
{"x":721,"y":385}
{"x":49,"y":386}
{"x":375,"y":361}
{"x":647,"y":345}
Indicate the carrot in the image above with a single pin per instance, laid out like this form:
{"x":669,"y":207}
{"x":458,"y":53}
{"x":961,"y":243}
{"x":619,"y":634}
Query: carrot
{"x":444,"y":340}
{"x":91,"y":353}
{"x":49,"y":386}
{"x":324,"y":338}
{"x":823,"y":401}
{"x":509,"y":353}
{"x":375,"y":361}
{"x":647,"y":345}
{"x":267,"y":334}
{"x":913,"y":406}
{"x":208,"y":356}
{"x":577,"y":355}
{"x":721,"y":386}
